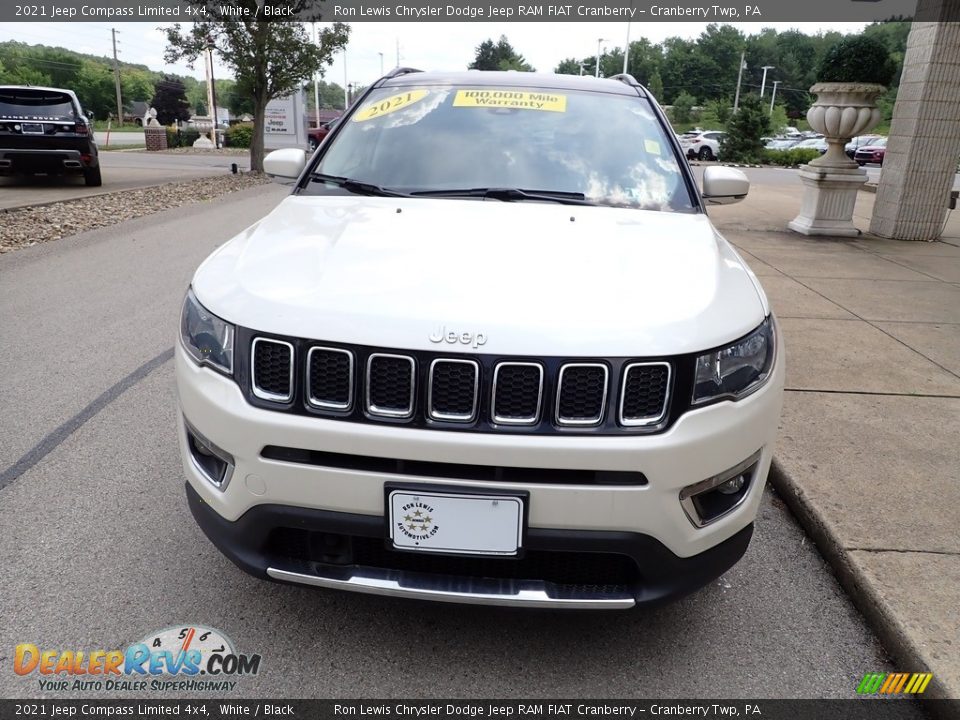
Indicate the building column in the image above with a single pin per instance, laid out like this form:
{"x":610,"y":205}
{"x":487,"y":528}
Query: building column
{"x":924,"y":143}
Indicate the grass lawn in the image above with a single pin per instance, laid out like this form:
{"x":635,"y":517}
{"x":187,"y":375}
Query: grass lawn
{"x":101,"y":125}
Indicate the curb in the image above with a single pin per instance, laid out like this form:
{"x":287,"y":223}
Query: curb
{"x":892,"y":634}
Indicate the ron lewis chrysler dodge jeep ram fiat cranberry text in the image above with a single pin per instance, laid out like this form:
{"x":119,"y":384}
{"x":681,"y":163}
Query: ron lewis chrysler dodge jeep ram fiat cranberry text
{"x":489,"y":350}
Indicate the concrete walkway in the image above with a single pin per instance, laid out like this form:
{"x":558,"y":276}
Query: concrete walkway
{"x":869,"y":449}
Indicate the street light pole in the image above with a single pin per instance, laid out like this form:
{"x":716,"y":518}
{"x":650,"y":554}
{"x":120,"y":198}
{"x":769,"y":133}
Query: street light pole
{"x":599,"y":42}
{"x":773,"y":97}
{"x":763,"y":83}
{"x":381,"y":64}
{"x":346,"y":94}
{"x":316,"y":82}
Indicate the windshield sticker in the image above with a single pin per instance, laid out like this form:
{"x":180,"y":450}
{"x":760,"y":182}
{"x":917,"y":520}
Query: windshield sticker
{"x":388,"y":105}
{"x":511,"y":99}
{"x":652,"y":147}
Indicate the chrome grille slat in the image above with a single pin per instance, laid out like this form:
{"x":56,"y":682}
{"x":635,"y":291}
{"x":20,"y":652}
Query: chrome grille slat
{"x":266,"y":369}
{"x":335,"y":390}
{"x":580,"y":399}
{"x":388,"y":396}
{"x":507,"y":384}
{"x":445,"y":392}
{"x":644,"y":394}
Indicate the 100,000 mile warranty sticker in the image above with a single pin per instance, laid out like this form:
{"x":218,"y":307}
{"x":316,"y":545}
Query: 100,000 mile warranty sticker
{"x":512,"y":99}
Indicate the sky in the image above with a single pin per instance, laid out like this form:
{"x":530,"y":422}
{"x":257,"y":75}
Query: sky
{"x":427,"y":45}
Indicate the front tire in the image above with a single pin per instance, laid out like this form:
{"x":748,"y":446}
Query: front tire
{"x":91,"y":176}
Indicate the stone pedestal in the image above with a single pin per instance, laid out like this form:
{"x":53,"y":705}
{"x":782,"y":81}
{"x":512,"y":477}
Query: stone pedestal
{"x":829,"y":197}
{"x":203,"y":143}
{"x":155,"y":138}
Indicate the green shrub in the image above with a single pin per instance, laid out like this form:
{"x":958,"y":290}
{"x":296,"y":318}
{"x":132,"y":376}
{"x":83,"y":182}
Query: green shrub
{"x":743,"y":143}
{"x":789,"y":158}
{"x":857,"y":58}
{"x":239,"y":135}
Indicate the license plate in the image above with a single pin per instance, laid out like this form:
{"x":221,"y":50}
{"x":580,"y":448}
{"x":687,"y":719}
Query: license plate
{"x":32,"y":128}
{"x":449,"y":522}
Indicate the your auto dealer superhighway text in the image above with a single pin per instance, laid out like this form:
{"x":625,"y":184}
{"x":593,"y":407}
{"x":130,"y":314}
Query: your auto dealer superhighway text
{"x":557,"y":11}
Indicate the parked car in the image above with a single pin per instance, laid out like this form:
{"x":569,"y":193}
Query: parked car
{"x":817,"y":143}
{"x":44,"y":131}
{"x":481,"y":354}
{"x":781,"y":144}
{"x":703,"y":145}
{"x":316,"y":135}
{"x":858,"y":142}
{"x":872,"y":153}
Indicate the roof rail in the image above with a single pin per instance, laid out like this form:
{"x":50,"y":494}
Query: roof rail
{"x":398,"y":71}
{"x":626,"y":78}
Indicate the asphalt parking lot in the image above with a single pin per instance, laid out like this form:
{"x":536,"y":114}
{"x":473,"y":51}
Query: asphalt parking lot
{"x":121,"y":170}
{"x":99,"y":547}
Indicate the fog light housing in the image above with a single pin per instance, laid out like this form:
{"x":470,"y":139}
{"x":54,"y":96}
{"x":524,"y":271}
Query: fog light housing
{"x":216,"y":465}
{"x":709,"y":500}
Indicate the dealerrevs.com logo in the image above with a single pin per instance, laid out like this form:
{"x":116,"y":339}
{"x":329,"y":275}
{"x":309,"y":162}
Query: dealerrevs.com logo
{"x":189,"y":658}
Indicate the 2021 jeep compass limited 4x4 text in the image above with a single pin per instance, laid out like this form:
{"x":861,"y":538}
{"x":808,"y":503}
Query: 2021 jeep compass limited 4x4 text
{"x":43,"y":130}
{"x":489,"y":350}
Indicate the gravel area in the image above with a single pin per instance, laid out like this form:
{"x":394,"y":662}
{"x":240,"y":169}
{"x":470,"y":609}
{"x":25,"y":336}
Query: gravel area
{"x":23,"y":227}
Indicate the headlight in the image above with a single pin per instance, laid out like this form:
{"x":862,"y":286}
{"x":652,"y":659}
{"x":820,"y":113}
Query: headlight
{"x":207,"y":338}
{"x":735,"y":371}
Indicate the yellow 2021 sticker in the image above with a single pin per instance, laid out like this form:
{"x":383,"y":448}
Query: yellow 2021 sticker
{"x":388,"y":105}
{"x":511,"y":99}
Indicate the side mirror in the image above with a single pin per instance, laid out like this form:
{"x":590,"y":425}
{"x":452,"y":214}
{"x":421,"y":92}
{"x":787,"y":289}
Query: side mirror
{"x":724,"y":186}
{"x":286,"y":163}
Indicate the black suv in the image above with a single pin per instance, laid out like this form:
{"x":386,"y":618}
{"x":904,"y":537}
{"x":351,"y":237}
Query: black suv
{"x":44,"y":130}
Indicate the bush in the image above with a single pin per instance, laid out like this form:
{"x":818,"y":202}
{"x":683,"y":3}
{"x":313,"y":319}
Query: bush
{"x":857,"y":58}
{"x":789,"y":158}
{"x":682,"y":110}
{"x":239,"y":135}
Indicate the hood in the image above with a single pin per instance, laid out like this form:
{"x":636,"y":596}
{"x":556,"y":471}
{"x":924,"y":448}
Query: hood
{"x":531,"y":278}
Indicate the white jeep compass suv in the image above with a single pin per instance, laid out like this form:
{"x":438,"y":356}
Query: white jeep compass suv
{"x":489,"y":350}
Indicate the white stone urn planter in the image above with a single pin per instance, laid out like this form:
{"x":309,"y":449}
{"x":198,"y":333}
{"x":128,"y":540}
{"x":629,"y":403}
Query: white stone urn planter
{"x":842,"y":111}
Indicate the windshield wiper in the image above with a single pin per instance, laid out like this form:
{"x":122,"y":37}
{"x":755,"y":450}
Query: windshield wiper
{"x":510,"y":195}
{"x":355,"y":186}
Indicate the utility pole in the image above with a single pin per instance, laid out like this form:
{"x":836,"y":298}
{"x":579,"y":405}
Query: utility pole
{"x":381,"y":64}
{"x":346,"y":93}
{"x":774,"y":96}
{"x":213,"y":92}
{"x":116,"y":74}
{"x":210,"y":106}
{"x":763,"y":83}
{"x":743,"y":64}
{"x":626,"y":49}
{"x":316,"y":83}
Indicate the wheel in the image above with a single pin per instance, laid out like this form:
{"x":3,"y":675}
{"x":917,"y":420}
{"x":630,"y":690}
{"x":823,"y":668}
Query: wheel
{"x":91,"y":176}
{"x":705,"y":154}
{"x":313,"y":144}
{"x":861,"y":163}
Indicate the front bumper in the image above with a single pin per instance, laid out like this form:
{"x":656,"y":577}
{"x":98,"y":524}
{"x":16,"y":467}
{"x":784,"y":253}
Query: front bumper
{"x":645,"y":523}
{"x":307,"y":556}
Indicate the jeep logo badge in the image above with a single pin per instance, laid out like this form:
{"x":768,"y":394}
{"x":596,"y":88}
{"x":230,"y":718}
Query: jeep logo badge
{"x":442,"y":334}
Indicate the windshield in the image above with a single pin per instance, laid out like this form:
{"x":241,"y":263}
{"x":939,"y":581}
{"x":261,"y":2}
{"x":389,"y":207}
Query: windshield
{"x":608,"y":149}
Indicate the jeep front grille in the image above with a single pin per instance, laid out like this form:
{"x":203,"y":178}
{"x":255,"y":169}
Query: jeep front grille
{"x":272,"y":373}
{"x":391,"y":381}
{"x":458,"y":391}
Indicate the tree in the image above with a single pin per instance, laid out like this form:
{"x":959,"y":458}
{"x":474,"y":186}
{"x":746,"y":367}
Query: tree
{"x":268,"y":59}
{"x":655,"y":85}
{"x":746,"y":128}
{"x":683,"y":108}
{"x":170,"y":101}
{"x":568,"y":67}
{"x":499,"y":56}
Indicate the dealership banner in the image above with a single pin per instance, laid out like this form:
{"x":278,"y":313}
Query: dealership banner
{"x":477,"y":11}
{"x":859,"y":709}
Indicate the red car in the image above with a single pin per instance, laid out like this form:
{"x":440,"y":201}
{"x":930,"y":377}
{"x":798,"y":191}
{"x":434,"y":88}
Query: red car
{"x":316,"y":135}
{"x":872,"y":153}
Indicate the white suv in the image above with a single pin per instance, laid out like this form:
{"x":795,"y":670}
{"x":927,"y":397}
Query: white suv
{"x":702,"y":144}
{"x":481,"y":354}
